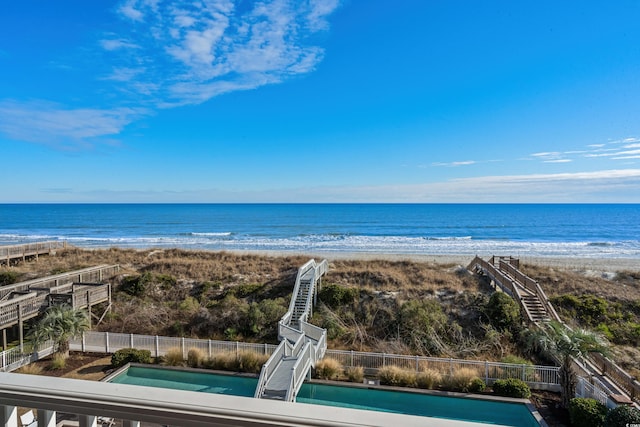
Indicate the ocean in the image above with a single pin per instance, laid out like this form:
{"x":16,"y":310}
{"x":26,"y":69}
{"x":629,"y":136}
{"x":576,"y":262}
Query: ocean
{"x":536,"y":230}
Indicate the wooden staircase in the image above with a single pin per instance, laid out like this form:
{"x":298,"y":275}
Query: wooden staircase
{"x":535,"y":308}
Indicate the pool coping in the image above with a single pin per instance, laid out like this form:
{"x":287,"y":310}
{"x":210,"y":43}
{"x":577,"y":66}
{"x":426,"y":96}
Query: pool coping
{"x":530,"y":406}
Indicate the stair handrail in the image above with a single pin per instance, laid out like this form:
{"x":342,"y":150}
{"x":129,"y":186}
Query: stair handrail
{"x":300,"y":369}
{"x":301,"y":271}
{"x":269,"y":367}
{"x":295,"y":350}
{"x":308,"y":304}
{"x":504,"y":281}
{"x":286,"y":331}
{"x":319,"y":335}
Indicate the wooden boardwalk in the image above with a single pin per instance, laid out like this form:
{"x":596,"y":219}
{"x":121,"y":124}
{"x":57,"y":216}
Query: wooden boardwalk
{"x":537,"y":309}
{"x":79,"y":289}
{"x":28,"y":250}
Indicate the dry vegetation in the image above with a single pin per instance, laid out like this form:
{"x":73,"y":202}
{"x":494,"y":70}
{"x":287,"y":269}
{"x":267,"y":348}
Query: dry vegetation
{"x":375,"y":305}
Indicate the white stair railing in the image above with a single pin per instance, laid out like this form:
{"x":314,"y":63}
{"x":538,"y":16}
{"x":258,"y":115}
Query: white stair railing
{"x":310,"y":341}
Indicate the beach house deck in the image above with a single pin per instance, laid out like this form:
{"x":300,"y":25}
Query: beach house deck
{"x":79,"y":289}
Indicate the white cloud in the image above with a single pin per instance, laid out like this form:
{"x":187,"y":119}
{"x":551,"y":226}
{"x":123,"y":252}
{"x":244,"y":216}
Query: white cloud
{"x":193,"y":51}
{"x":558,"y":161}
{"x":454,"y":164}
{"x":124,"y":74}
{"x":128,"y":10}
{"x":621,"y":185}
{"x":636,"y":156}
{"x":116,"y":44}
{"x":51,"y":124}
{"x":186,"y":52}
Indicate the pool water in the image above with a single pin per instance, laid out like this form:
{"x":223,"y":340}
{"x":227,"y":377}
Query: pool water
{"x":427,"y":405}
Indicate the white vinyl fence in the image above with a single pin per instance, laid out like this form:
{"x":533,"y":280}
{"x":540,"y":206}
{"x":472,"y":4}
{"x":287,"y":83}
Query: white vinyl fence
{"x":14,"y":358}
{"x":538,"y":377}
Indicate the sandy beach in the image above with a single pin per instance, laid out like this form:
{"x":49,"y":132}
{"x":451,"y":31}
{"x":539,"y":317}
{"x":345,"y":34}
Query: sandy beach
{"x":565,"y":263}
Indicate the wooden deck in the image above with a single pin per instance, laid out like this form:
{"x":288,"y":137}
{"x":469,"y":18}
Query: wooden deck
{"x":28,"y":250}
{"x":79,"y":289}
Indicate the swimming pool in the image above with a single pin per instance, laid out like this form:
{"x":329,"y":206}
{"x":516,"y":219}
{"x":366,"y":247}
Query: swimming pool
{"x":410,"y":403}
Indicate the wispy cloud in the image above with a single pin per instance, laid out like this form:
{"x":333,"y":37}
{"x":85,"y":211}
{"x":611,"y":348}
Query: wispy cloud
{"x":179,"y":52}
{"x":194,"y":51}
{"x":552,"y":157}
{"x":620,"y":149}
{"x":616,"y":185}
{"x":55,"y":125}
{"x":116,"y":44}
{"x":621,"y":185}
{"x":455,"y":164}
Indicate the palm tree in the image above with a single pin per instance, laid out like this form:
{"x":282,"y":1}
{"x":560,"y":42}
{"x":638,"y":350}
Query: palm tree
{"x":564,"y":345}
{"x":60,"y":323}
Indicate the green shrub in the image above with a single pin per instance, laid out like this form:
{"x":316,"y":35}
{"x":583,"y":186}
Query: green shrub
{"x":246,"y":289}
{"x":355,"y":374}
{"x":8,"y":277}
{"x":421,"y":323}
{"x":166,"y":281}
{"x":335,"y":295}
{"x":428,"y":379}
{"x":130,"y":355}
{"x":503,"y":312}
{"x":587,"y":412}
{"x":477,"y":385}
{"x":622,"y":416}
{"x":512,"y":387}
{"x":135,"y":285}
{"x":627,"y":333}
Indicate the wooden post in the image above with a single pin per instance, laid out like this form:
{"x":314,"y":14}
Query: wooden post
{"x":4,"y":339}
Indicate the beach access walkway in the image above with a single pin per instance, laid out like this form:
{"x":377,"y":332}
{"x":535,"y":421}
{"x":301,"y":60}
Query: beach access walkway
{"x":301,"y":344}
{"x":599,"y":374}
{"x":29,"y":250}
{"x":79,"y":289}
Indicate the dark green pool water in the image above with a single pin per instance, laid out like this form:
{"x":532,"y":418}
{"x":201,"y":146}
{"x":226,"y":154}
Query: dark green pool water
{"x":473,"y":410}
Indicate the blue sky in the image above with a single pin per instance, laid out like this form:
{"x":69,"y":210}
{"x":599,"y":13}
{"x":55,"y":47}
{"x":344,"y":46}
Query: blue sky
{"x":320,"y":101}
